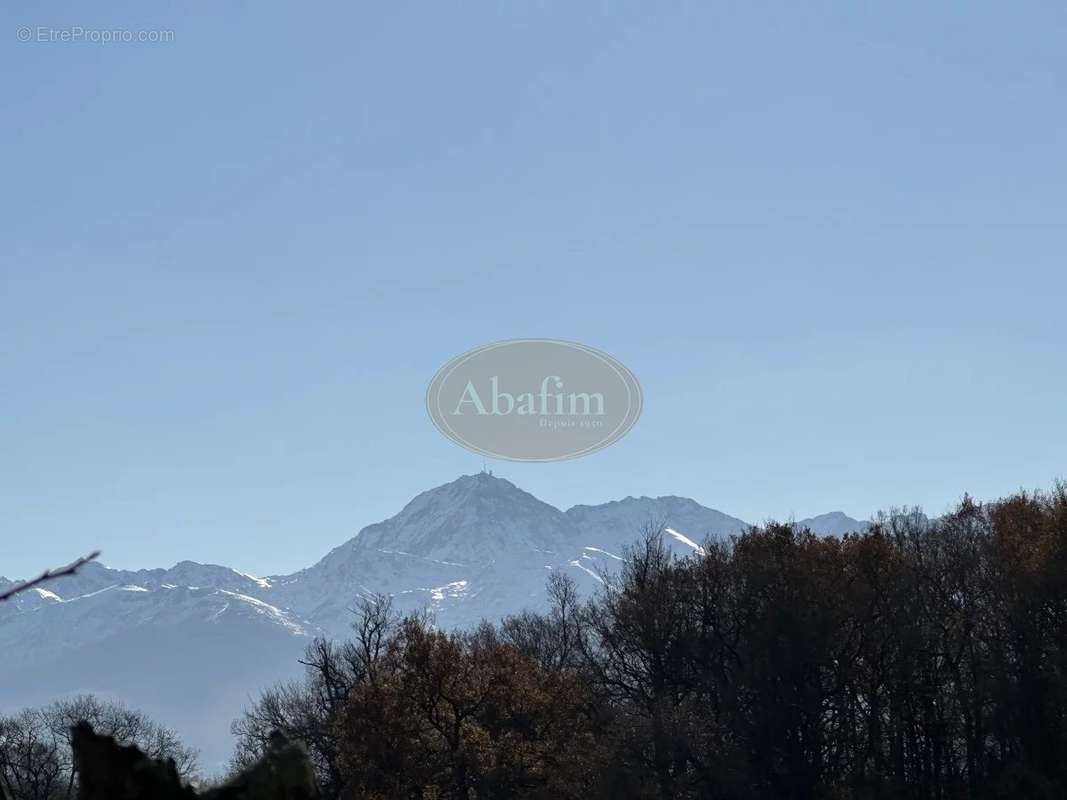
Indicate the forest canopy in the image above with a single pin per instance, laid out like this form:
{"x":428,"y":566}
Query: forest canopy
{"x":917,"y":659}
{"x":920,"y":659}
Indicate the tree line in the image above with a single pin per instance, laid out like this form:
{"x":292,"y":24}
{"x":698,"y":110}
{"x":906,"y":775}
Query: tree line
{"x":36,"y":756}
{"x":920,"y":659}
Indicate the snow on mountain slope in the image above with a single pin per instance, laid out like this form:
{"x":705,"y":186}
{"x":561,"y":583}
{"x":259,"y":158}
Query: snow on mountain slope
{"x":479,"y":532}
{"x":494,"y":539}
{"x":681,"y":538}
{"x":189,"y":657}
{"x":191,"y":644}
{"x":94,"y":576}
{"x":27,"y":601}
{"x":615,"y":526}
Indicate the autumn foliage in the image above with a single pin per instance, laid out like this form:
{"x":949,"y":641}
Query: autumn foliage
{"x":920,"y":659}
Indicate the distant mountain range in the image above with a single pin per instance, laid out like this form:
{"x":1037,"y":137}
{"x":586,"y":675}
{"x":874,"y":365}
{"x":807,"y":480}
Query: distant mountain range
{"x":192,"y":644}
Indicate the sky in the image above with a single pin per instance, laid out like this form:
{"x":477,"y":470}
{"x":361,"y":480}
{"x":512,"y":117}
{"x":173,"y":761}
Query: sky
{"x":828,"y":240}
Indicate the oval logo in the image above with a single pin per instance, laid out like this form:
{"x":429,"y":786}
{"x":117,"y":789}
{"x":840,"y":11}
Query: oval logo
{"x":534,"y":400}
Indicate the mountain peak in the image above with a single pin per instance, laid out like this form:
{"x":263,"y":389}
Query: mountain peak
{"x":477,"y":546}
{"x":478,"y":489}
{"x":832,"y":523}
{"x":483,"y":481}
{"x":474,"y":519}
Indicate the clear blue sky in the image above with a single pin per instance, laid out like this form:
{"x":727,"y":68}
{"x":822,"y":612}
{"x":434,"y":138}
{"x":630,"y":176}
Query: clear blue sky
{"x":830,"y":243}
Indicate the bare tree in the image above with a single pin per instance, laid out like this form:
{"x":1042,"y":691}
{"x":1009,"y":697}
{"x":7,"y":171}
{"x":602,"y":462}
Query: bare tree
{"x":36,"y":761}
{"x":49,"y":574}
{"x":306,"y":710}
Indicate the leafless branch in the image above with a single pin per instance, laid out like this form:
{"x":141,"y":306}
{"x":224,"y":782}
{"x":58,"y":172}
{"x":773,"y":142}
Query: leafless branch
{"x":48,"y":575}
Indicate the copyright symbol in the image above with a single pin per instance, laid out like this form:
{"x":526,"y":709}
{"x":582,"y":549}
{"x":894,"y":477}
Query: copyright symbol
{"x":24,"y":34}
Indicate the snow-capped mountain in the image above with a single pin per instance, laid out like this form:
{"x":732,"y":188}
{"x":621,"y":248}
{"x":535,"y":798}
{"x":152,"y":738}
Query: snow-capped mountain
{"x":475,"y":547}
{"x":190,"y":657}
{"x":191,"y":644}
{"x":607,"y":530}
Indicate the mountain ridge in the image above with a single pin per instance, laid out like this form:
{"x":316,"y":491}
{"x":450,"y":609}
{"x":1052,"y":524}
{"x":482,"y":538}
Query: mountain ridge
{"x":417,"y":539}
{"x":476,"y":547}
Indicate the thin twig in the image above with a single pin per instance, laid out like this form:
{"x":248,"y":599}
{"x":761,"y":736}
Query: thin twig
{"x":48,"y":574}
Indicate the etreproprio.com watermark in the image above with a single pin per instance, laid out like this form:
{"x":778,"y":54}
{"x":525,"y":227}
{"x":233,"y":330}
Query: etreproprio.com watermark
{"x":78,"y":34}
